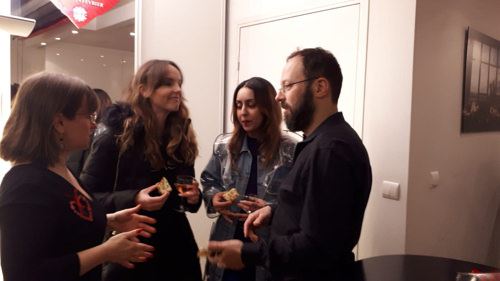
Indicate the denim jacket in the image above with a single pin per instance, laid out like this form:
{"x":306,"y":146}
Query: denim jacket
{"x":219,"y":176}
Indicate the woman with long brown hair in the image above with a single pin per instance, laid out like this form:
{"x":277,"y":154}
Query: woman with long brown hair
{"x":253,"y":160}
{"x":147,"y":138}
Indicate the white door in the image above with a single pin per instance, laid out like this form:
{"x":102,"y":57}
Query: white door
{"x":264,"y":47}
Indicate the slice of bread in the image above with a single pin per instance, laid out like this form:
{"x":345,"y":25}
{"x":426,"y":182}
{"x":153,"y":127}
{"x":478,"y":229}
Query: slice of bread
{"x":204,"y":252}
{"x":231,"y":195}
{"x":164,"y":186}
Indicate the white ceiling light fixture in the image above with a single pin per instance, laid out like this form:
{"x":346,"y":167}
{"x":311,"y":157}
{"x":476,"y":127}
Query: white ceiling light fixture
{"x":57,"y":38}
{"x":43,"y":43}
{"x":18,"y":26}
{"x":74,"y":31}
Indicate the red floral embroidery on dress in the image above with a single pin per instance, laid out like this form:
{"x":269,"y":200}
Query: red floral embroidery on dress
{"x":81,"y":206}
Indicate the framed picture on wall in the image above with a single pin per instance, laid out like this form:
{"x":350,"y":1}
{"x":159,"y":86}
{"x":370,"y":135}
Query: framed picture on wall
{"x":481,"y":89}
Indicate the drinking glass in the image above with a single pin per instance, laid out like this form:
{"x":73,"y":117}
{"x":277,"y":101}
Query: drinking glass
{"x":183,"y":184}
{"x":246,"y":197}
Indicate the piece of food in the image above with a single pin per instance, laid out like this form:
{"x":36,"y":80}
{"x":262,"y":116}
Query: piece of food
{"x":204,"y":252}
{"x":164,"y":186}
{"x":231,"y":195}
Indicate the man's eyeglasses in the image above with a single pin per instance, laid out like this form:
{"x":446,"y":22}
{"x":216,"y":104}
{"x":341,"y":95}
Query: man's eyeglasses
{"x":287,"y":87}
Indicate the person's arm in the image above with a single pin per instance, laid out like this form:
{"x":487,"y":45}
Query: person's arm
{"x":256,"y":220}
{"x":99,"y":171}
{"x":212,"y":183}
{"x":213,"y":186}
{"x":123,"y":248}
{"x":129,"y":219}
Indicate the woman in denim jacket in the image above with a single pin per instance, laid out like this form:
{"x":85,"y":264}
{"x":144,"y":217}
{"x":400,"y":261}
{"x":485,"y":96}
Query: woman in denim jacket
{"x":254,"y":159}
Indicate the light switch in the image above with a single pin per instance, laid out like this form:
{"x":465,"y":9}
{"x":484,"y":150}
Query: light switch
{"x":434,"y":178}
{"x":390,"y":190}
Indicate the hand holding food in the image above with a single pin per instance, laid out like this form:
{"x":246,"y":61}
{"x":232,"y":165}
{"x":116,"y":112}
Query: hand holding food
{"x":148,"y":202}
{"x":231,"y":195}
{"x":228,"y":253}
{"x":221,"y":205}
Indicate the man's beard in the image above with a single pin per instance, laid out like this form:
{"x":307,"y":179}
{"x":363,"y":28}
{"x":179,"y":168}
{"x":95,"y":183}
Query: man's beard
{"x":300,"y":117}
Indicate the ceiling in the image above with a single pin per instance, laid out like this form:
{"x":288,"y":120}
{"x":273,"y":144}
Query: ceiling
{"x":51,"y":23}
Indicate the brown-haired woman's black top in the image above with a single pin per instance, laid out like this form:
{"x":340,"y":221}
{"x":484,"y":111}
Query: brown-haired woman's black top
{"x":175,"y":247}
{"x":44,"y":222}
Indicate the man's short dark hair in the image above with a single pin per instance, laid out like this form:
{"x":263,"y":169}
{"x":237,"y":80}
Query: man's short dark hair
{"x":319,"y":62}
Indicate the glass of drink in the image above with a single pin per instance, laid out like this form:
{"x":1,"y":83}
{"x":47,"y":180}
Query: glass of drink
{"x":183,"y":184}
{"x":248,"y":198}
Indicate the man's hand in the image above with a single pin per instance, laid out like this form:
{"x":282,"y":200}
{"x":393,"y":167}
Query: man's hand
{"x":228,"y":253}
{"x":255,"y":221}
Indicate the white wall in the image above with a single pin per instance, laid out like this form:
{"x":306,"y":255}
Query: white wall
{"x":386,"y":131}
{"x":26,"y":60}
{"x":108,"y":69}
{"x":4,"y":82}
{"x":190,"y":33}
{"x":457,"y":218}
{"x":4,"y":70}
{"x":111,"y":72}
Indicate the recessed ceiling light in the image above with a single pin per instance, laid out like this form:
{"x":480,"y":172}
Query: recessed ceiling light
{"x":124,"y":61}
{"x":43,"y":43}
{"x":132,"y":33}
{"x":58,"y":38}
{"x":74,"y":31}
{"x":82,"y":60}
{"x":58,"y":54}
{"x":101,"y":56}
{"x":103,"y":65}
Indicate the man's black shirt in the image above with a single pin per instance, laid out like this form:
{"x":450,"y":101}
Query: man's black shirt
{"x":321,"y":206}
